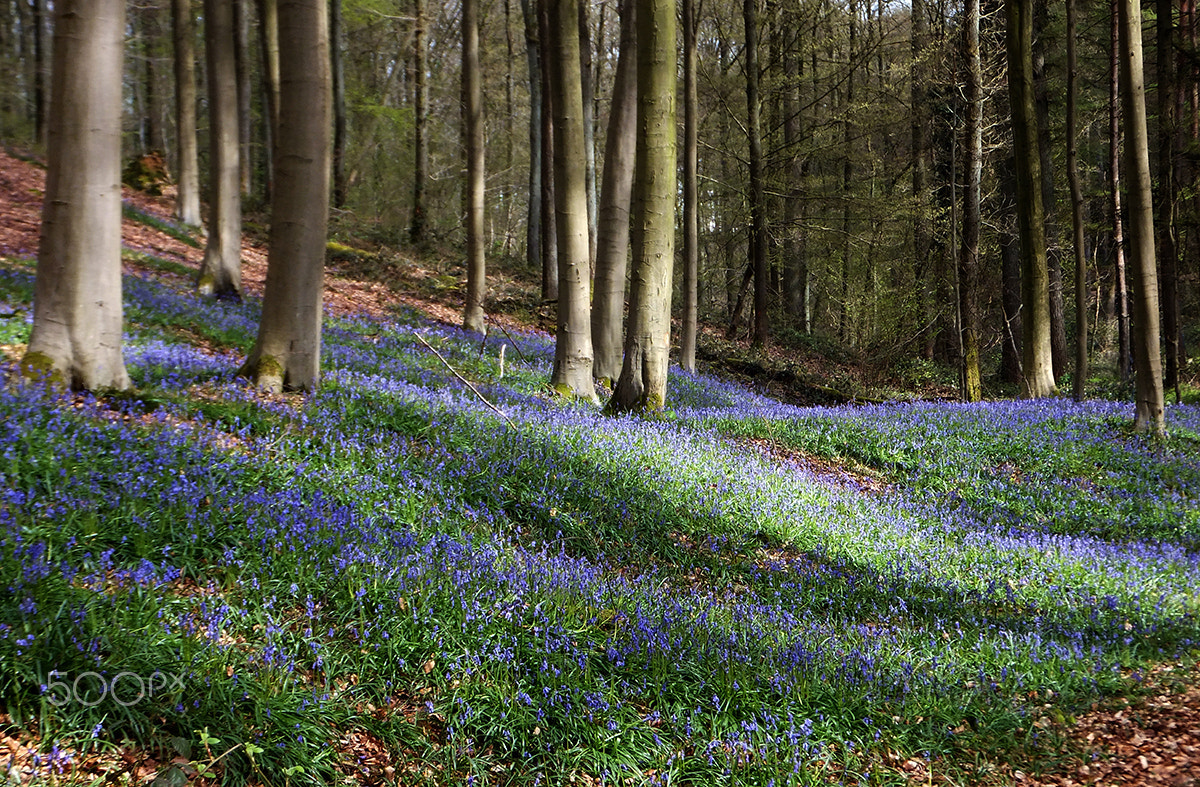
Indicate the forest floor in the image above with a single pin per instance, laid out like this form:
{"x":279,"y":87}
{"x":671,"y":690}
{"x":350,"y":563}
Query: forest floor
{"x":1142,"y":736}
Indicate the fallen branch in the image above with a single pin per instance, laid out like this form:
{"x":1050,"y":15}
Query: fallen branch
{"x":464,"y":380}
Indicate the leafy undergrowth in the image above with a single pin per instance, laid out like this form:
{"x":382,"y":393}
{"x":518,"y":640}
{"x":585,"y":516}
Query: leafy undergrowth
{"x":388,"y":580}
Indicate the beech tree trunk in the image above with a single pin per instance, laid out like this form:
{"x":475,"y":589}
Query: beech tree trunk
{"x":572,"y":375}
{"x":533,"y":222}
{"x":642,"y":386}
{"x":221,"y":271}
{"x":416,"y":230}
{"x":691,"y":208}
{"x":1145,"y":340}
{"x":612,"y":242}
{"x":77,"y":317}
{"x":1037,"y":366}
{"x":758,"y":207}
{"x":968,"y":271}
{"x":338,"y":73}
{"x":268,"y":30}
{"x":1166,"y":195}
{"x":241,"y":59}
{"x":287,"y":354}
{"x":472,"y":90}
{"x":1124,"y":353}
{"x":549,"y":244}
{"x":187,"y":200}
{"x":1058,"y":329}
{"x":1081,"y":289}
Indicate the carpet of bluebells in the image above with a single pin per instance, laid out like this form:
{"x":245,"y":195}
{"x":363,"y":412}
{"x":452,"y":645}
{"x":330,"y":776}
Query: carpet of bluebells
{"x":563,"y":592}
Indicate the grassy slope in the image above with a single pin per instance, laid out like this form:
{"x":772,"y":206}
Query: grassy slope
{"x":389,"y":567}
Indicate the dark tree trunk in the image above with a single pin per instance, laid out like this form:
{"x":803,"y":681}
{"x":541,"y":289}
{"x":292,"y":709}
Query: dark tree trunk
{"x":758,"y":219}
{"x":338,"y":72}
{"x":533,"y":222}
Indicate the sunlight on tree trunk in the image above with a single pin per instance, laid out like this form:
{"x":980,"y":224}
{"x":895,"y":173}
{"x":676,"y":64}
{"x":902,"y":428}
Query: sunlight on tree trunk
{"x":1038,"y":379}
{"x":77,"y":317}
{"x":221,"y":271}
{"x":287,"y":354}
{"x":187,"y":200}
{"x":612,"y":244}
{"x":642,"y":386}
{"x":472,"y":107}
{"x":572,"y":374}
{"x":1147,"y":358}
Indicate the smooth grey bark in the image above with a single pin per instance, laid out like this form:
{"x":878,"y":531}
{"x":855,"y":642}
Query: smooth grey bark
{"x":1145,"y":340}
{"x":612,"y":242}
{"x":287,"y":353}
{"x":642,"y":386}
{"x":77,"y":317}
{"x":691,"y":208}
{"x":472,"y":107}
{"x":416,"y":230}
{"x":1079,"y":385}
{"x":187,"y":200}
{"x":572,"y":375}
{"x":1037,"y":367}
{"x":221,"y":271}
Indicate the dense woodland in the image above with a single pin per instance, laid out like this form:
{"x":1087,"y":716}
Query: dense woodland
{"x":880,"y":178}
{"x":350,"y":457}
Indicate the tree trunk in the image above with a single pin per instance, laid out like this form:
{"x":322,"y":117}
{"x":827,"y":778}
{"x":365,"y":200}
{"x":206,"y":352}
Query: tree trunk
{"x":549,"y":243}
{"x":1124,"y":356}
{"x":1010,"y":274}
{"x":922,"y":234}
{"x":1146,"y":356}
{"x":40,"y":105}
{"x":691,"y":208}
{"x":758,"y":207}
{"x":287,"y":354}
{"x":221,"y":271}
{"x":416,"y":231}
{"x":187,"y":200}
{"x":642,"y":386}
{"x":1081,"y":289}
{"x":1035,"y":285}
{"x":587,"y":82}
{"x":77,"y":318}
{"x":1166,"y":196}
{"x":847,"y":172}
{"x":533,"y":222}
{"x":795,"y":251}
{"x":338,"y":72}
{"x":472,"y":90}
{"x":268,"y":30}
{"x":968,"y":288}
{"x":572,"y":375}
{"x":241,"y":59}
{"x":1058,"y":329}
{"x":612,"y":242}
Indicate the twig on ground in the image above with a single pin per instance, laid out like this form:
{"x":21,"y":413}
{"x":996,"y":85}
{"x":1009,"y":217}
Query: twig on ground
{"x":464,"y":380}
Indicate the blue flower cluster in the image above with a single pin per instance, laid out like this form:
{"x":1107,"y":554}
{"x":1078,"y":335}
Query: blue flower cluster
{"x":559,"y":590}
